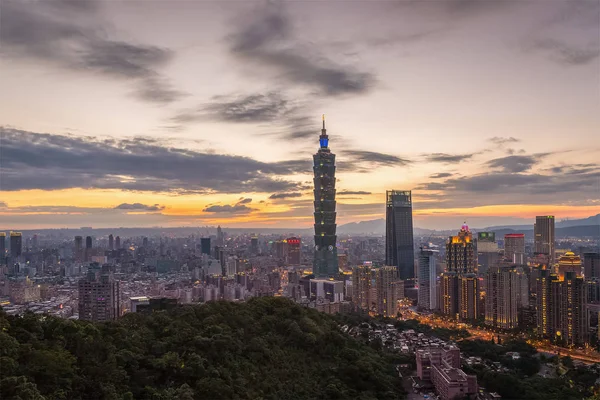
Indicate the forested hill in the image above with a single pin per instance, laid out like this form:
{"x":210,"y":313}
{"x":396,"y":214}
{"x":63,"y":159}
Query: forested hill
{"x":267,"y":348}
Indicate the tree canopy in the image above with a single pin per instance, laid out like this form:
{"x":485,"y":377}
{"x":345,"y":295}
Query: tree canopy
{"x":267,"y":348}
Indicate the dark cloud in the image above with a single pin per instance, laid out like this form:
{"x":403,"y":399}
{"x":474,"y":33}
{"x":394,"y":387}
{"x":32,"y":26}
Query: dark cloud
{"x":45,"y":161}
{"x":227,"y":208}
{"x":503,"y":140}
{"x":67,"y":33}
{"x":448,"y":158}
{"x":351,"y":192}
{"x":266,"y":39}
{"x":441,"y":175}
{"x":245,"y":201}
{"x":516,"y":163}
{"x":139,"y":207}
{"x":287,"y":195}
{"x":364,"y":161}
{"x":3,"y":204}
{"x":567,"y":54}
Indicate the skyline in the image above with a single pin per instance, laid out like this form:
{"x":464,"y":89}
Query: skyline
{"x":207,"y":114}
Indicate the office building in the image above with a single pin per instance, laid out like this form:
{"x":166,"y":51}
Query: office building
{"x":514,"y":248}
{"x":253,"y":245}
{"x":487,"y":251}
{"x":399,"y":246}
{"x":220,"y":236}
{"x":503,"y":284}
{"x":78,"y":249}
{"x":118,"y":242}
{"x":99,"y":297}
{"x":293,"y":251}
{"x":569,"y":262}
{"x":2,"y":247}
{"x":460,"y":252}
{"x":591,"y":265}
{"x":205,"y":245}
{"x":325,"y":264}
{"x":427,"y":280}
{"x":544,"y":243}
{"x":88,"y":242}
{"x":325,"y":289}
{"x":16,"y":244}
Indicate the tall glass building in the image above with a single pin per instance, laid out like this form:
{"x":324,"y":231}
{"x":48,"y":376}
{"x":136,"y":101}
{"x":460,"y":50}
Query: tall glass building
{"x":325,"y":264}
{"x":399,"y":247}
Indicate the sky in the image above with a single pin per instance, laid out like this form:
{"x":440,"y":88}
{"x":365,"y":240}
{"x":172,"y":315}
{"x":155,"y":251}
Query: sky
{"x":194,"y":113}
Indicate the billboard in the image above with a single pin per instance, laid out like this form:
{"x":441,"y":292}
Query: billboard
{"x":486,"y":236}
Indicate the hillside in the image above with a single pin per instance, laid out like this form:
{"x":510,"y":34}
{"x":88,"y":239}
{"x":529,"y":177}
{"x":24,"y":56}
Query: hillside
{"x":267,"y":348}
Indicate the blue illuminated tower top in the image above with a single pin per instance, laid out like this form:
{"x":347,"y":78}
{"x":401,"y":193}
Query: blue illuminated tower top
{"x":324,"y":139}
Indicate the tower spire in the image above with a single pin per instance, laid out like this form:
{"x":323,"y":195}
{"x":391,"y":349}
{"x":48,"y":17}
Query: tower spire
{"x":323,"y":121}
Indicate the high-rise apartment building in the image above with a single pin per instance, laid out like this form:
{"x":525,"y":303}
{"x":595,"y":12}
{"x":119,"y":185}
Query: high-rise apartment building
{"x":503,"y":284}
{"x":99,"y":297}
{"x":399,"y":246}
{"x":293,"y":251}
{"x":569,"y":262}
{"x":111,"y":242}
{"x":449,"y":293}
{"x":544,"y":243}
{"x":377,"y":289}
{"x":546,"y":306}
{"x":460,"y":252}
{"x":16,"y":244}
{"x":468,"y":302}
{"x":427,"y":279}
{"x":591,"y":265}
{"x":514,"y":248}
{"x":573,"y":323}
{"x":325,"y":264}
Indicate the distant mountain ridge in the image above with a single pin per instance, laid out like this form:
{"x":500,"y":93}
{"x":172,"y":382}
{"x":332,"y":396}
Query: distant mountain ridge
{"x":566,"y":223}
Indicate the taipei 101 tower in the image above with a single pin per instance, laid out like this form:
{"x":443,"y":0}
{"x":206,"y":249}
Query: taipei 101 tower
{"x":325,"y":264}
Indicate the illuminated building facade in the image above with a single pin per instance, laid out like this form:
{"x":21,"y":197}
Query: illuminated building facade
{"x":16,"y":244}
{"x":449,"y":293}
{"x":546,"y":306}
{"x":543,"y":231}
{"x":460,"y":252}
{"x":503,"y":284}
{"x":361,"y":284}
{"x":293,"y":251}
{"x":377,"y":289}
{"x":591,"y":265}
{"x":514,"y":248}
{"x":427,"y":280}
{"x":573,"y":323}
{"x":468,"y":302}
{"x":325,"y":263}
{"x":569,"y":262}
{"x":399,"y":245}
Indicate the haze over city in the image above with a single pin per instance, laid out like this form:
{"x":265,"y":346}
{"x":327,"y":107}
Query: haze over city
{"x":203,"y":113}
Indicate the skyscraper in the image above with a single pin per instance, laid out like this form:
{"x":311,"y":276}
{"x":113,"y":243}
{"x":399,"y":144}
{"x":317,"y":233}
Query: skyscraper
{"x":502,"y":294}
{"x":88,"y":242}
{"x":427,"y":279}
{"x":591,"y":265}
{"x":118,"y":242}
{"x":468,"y":302}
{"x":399,"y":247}
{"x":361,"y":284}
{"x":293,"y":251}
{"x":487,"y":251}
{"x":205,"y":245}
{"x":78,"y":249}
{"x":569,"y":262}
{"x":573,"y":322}
{"x":16,"y":244}
{"x":449,"y":293}
{"x":460,"y":252}
{"x":544,"y":237}
{"x":111,"y":243}
{"x":99,"y":297}
{"x":514,"y":248}
{"x":325,"y":264}
{"x":377,"y":289}
{"x":2,"y":246}
{"x":546,"y":306}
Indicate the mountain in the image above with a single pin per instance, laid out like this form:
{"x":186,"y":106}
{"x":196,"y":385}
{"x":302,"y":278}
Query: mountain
{"x":565,"y":223}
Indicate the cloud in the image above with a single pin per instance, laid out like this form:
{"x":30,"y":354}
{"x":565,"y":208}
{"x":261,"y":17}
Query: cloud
{"x":566,"y":54}
{"x":364,"y":161}
{"x":448,"y":158}
{"x":350,"y":192}
{"x":516,"y":163}
{"x":266,"y":39}
{"x":244,"y":201}
{"x":286,"y":195}
{"x":46,"y":161}
{"x":139,"y":207}
{"x":441,"y":175}
{"x":68,"y":34}
{"x":500,"y":141}
{"x":3,"y":204}
{"x":236,"y":209}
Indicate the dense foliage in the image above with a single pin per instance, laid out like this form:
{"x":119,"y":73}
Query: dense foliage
{"x":267,"y":348}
